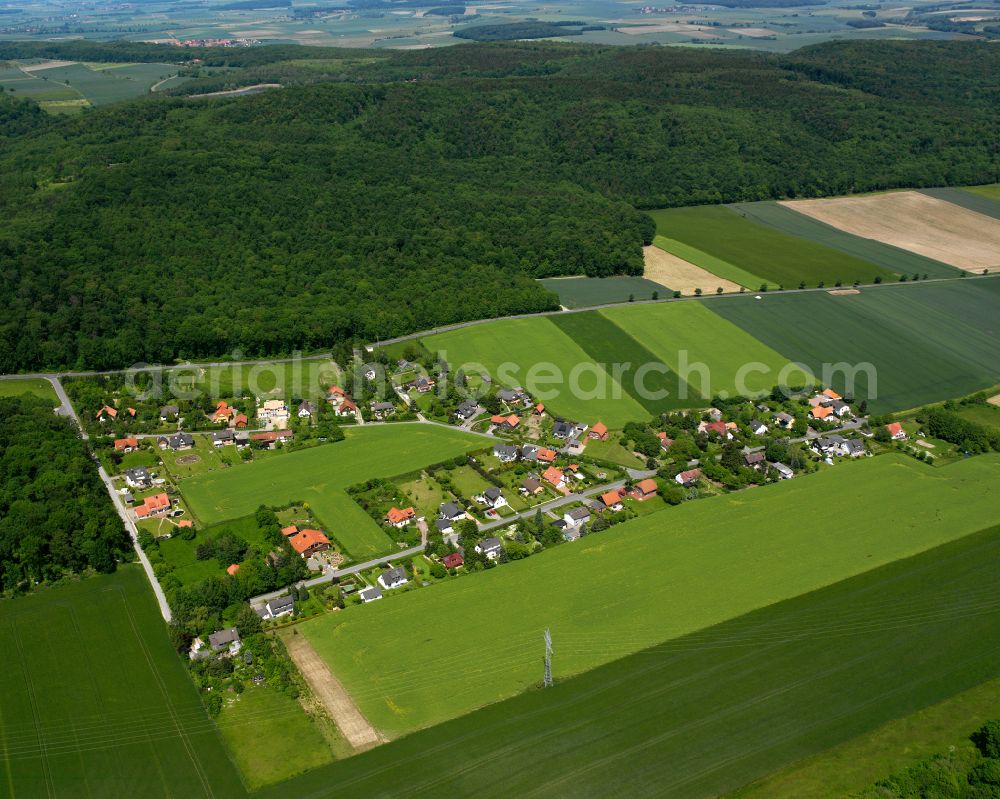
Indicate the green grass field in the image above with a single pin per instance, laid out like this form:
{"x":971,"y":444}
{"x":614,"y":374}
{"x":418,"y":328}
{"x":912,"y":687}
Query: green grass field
{"x":302,"y":379}
{"x":712,"y":264}
{"x":684,"y":334}
{"x":981,"y":199}
{"x":786,"y":260}
{"x":181,"y":554}
{"x":94,"y":701}
{"x":529,"y":349}
{"x":38,"y":387}
{"x":988,"y":415}
{"x":607,"y":343}
{"x":319,"y":476}
{"x":103,"y":83}
{"x":896,"y":745}
{"x":926,"y":343}
{"x":763,"y":545}
{"x":702,"y":715}
{"x":584,"y":292}
{"x":898,"y":261}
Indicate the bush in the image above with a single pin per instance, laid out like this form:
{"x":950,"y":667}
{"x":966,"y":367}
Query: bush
{"x":987,"y":739}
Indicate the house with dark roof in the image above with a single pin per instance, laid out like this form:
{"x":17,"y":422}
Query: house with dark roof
{"x":505,"y":453}
{"x":306,"y":409}
{"x":562,"y":429}
{"x":281,"y":606}
{"x":444,"y":526}
{"x":854,"y":448}
{"x":490,"y":548}
{"x":393,"y":578}
{"x":228,"y":639}
{"x":467,"y":410}
{"x":493,"y":497}
{"x":176,"y":442}
{"x":221,"y":438}
{"x":168,"y":413}
{"x":451,"y":512}
{"x":529,"y":452}
{"x":138,"y":478}
{"x":784,"y":420}
{"x":380,"y":410}
{"x":755,"y":460}
{"x":757,"y":427}
{"x":576,"y":517}
{"x":370,"y":594}
{"x":530,"y":487}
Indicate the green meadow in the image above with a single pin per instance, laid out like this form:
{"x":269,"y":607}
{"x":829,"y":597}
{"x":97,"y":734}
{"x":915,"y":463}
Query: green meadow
{"x":686,"y":335}
{"x":28,"y":385}
{"x":529,"y":350}
{"x":319,"y":476}
{"x":584,"y":292}
{"x":764,"y":545}
{"x":786,"y":260}
{"x":303,"y":379}
{"x":95,"y":702}
{"x":914,"y":344}
{"x":706,"y":713}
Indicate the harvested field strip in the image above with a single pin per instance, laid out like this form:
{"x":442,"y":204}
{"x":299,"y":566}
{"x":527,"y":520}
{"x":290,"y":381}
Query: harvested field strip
{"x":896,"y":260}
{"x":778,"y":257}
{"x":669,"y":270}
{"x":686,"y":333}
{"x":711,"y":264}
{"x":607,"y":343}
{"x":705,"y":714}
{"x":978,"y":199}
{"x":584,"y":292}
{"x":916,"y":222}
{"x":754,"y":541}
{"x":911,"y":345}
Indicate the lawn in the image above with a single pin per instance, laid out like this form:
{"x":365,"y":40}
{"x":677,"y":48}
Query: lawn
{"x":426,"y":494}
{"x":685,"y":335}
{"x":28,"y":385}
{"x":988,"y":415}
{"x":270,"y":736}
{"x":181,"y":554}
{"x":303,"y":379}
{"x":924,"y":343}
{"x":319,"y":476}
{"x":775,"y":256}
{"x":707,"y":713}
{"x":96,"y":702}
{"x":467,"y":481}
{"x":710,"y":263}
{"x":611,"y":346}
{"x":898,"y":261}
{"x":764,"y":545}
{"x":899,"y":744}
{"x":584,"y":292}
{"x":535,"y":354}
{"x":205,"y":457}
{"x":613,"y":452}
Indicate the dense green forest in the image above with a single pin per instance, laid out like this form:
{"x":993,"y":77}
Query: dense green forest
{"x":381,"y":195}
{"x":55,"y":515}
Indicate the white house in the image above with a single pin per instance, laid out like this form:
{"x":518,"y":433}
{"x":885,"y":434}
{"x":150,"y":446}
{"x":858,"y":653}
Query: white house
{"x":757,"y":427}
{"x":784,"y":472}
{"x":138,"y":478}
{"x":370,"y":594}
{"x":576,"y":517}
{"x":393,"y":578}
{"x":492,"y":497}
{"x":490,"y":548}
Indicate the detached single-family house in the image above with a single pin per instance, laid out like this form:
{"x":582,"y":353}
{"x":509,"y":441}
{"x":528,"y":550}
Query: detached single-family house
{"x":106,"y":412}
{"x":715,"y":428}
{"x":282,"y":606}
{"x":370,"y":373}
{"x":228,"y":640}
{"x":222,"y":438}
{"x":453,"y":561}
{"x":829,"y":445}
{"x":555,"y":478}
{"x":840,"y":408}
{"x":240,"y":421}
{"x":380,"y":410}
{"x":784,"y":472}
{"x":156,"y":505}
{"x":544,"y":455}
{"x":613,"y":500}
{"x":757,"y":427}
{"x":689,"y":477}
{"x":784,"y":420}
{"x":508,"y":423}
{"x":400,"y":517}
{"x":665,"y":443}
{"x":821,"y":412}
{"x":223,"y":412}
{"x":896,"y":431}
{"x":290,"y":530}
{"x":490,"y":548}
{"x":422,"y":384}
{"x":347,"y":407}
{"x":645,"y":489}
{"x":176,"y":442}
{"x":576,"y":517}
{"x":451,"y":512}
{"x":854,"y":448}
{"x":467,"y":410}
{"x":308,"y":542}
{"x":531,"y":487}
{"x":169,"y":413}
{"x":539,"y":409}
{"x":514,"y":396}
{"x":755,"y":460}
{"x":393,"y":578}
{"x":505,"y":453}
{"x":530,"y":452}
{"x":830,"y":394}
{"x":493,"y":497}
{"x":370,"y":594}
{"x":335,"y":395}
{"x":126,"y":444}
{"x":444,"y":526}
{"x":562,"y":429}
{"x":138,"y":478}
{"x":271,"y":438}
{"x":306,"y":409}
{"x":599,"y":432}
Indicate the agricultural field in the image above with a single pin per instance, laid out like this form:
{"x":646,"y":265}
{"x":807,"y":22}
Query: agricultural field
{"x":980,"y":199}
{"x":709,"y":712}
{"x":785,"y":220}
{"x":755,"y":540}
{"x":585,"y":292}
{"x":914,"y":221}
{"x":946,"y":331}
{"x":528,"y":350}
{"x":303,"y":379}
{"x":688,"y":333}
{"x":711,"y":264}
{"x":774,"y":256}
{"x":319,"y":476}
{"x":96,"y":702}
{"x":669,"y":270}
{"x":37,"y":386}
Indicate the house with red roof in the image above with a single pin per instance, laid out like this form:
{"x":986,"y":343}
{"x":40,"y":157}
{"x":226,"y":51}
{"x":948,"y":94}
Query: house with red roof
{"x":400,"y":517}
{"x":613,"y":500}
{"x":665,"y":443}
{"x":539,"y":409}
{"x":346,"y":407}
{"x":717,"y":428}
{"x":223,"y":412}
{"x":452,"y":561}
{"x":126,"y":444}
{"x":545,"y":455}
{"x":599,"y":432}
{"x":644,"y":489}
{"x":290,"y":530}
{"x":335,"y":395}
{"x":821,"y":412}
{"x":308,"y":542}
{"x":106,"y":412}
{"x":688,"y":478}
{"x":233,"y":568}
{"x":240,"y":421}
{"x":555,"y":478}
{"x":271,"y":438}
{"x":896,"y":431}
{"x":155,"y":505}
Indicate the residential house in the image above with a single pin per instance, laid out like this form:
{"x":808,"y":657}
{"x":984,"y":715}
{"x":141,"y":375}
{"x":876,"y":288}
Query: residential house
{"x":539,"y":409}
{"x":854,"y":448}
{"x":531,"y":487}
{"x":544,"y":455}
{"x":370,"y":594}
{"x":665,"y":443}
{"x":493,"y":497}
{"x":156,"y":505}
{"x":422,"y":385}
{"x":335,"y":395}
{"x":714,"y":414}
{"x":308,"y":542}
{"x":444,"y":526}
{"x":514,"y":396}
{"x":755,"y":460}
{"x":576,"y":517}
{"x":242,"y":438}
{"x":347,"y":407}
{"x":830,"y":394}
{"x":176,"y":442}
{"x":228,"y":640}
{"x":688,"y":478}
{"x":840,"y":408}
{"x":599,"y":432}
{"x":757,"y":427}
{"x":370,"y":373}
{"x":467,"y":410}
{"x":453,"y":561}
{"x":784,"y":420}
{"x":106,"y":412}
{"x":138,"y":478}
{"x":451,"y":512}
{"x":271,"y":438}
{"x":306,"y":409}
{"x":393,"y":578}
{"x":380,"y":410}
{"x":222,"y":438}
{"x":562,"y":429}
{"x":505,"y":453}
{"x":275,"y":608}
{"x":715,"y":428}
{"x":273,"y":412}
{"x":784,"y":472}
{"x":821,"y":412}
{"x":490,"y":548}
{"x":400,"y":517}
{"x":530,"y":452}
{"x":555,"y":478}
{"x":290,"y":530}
{"x":507,"y":424}
{"x":644,"y":489}
{"x":613,"y":500}
{"x":896,"y":431}
{"x":240,"y":421}
{"x":830,"y":445}
{"x":223,"y":412}
{"x":169,"y":413}
{"x":126,"y":444}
